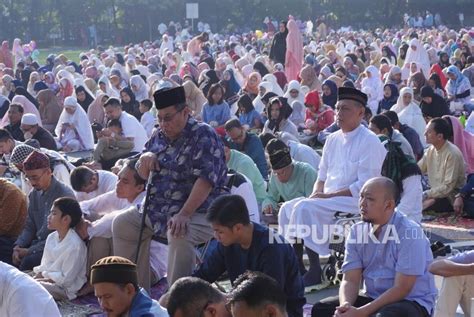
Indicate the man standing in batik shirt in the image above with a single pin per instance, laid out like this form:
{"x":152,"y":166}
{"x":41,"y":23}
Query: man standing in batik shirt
{"x":187,"y":159}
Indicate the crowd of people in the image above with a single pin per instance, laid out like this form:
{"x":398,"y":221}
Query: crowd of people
{"x":205,"y":142}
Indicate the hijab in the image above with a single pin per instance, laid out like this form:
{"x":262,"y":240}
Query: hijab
{"x":86,"y":102}
{"x":96,"y":112}
{"x":21,"y":91}
{"x":209,"y":78}
{"x":332,"y":98}
{"x":464,"y":141}
{"x":195,"y":99}
{"x":130,"y":107}
{"x":387,"y":103}
{"x":309,"y":78}
{"x":294,"y":51}
{"x":50,"y":108}
{"x":275,"y":86}
{"x":142,"y":88}
{"x":253,"y":89}
{"x":28,"y":107}
{"x":260,"y":68}
{"x":81,"y":123}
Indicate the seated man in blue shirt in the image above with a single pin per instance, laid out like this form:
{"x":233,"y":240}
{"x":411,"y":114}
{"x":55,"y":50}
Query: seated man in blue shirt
{"x":458,"y":284}
{"x":391,"y":254}
{"x":244,"y":246}
{"x":247,"y":143}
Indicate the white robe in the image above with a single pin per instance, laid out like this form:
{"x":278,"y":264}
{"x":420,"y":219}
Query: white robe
{"x":108,"y":206}
{"x":64,"y":262}
{"x":81,"y":123}
{"x":348,"y":161}
{"x":107,"y":182}
{"x":21,"y":295}
{"x":411,"y":199}
{"x":303,"y":153}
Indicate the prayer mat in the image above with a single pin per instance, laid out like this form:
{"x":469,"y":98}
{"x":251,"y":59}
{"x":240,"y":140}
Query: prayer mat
{"x":88,"y":306}
{"x":449,"y":221}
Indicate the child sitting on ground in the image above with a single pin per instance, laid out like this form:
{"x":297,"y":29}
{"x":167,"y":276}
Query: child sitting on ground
{"x":318,"y":115}
{"x":148,"y":121}
{"x":62,"y":271}
{"x":113,"y":147}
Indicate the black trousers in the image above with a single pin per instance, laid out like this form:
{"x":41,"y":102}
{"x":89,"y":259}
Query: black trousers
{"x":6,"y":249}
{"x":442,"y":205}
{"x":404,"y":308}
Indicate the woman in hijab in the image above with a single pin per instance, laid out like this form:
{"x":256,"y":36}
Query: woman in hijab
{"x":50,"y":80}
{"x":28,"y":107}
{"x":73,"y":129}
{"x":416,"y":82}
{"x":66,"y":89}
{"x":464,"y":141}
{"x":106,"y":87}
{"x":231,"y":87}
{"x":390,"y":97}
{"x":49,"y":109}
{"x":279,"y":73}
{"x":389,"y":54}
{"x":443,"y":60}
{"x":394,"y":77}
{"x":8,"y":86}
{"x":274,"y":82}
{"x":21,"y":91}
{"x":278,"y":113}
{"x":458,"y":88}
{"x":139,"y":87}
{"x":129,"y":102}
{"x":294,"y":51}
{"x":247,"y":114}
{"x":260,"y":68}
{"x":278,"y":46}
{"x":34,"y":78}
{"x":251,"y":85}
{"x":435,"y":83}
{"x":84,"y":98}
{"x":402,"y":53}
{"x":309,"y":78}
{"x":409,"y":113}
{"x":6,"y":57}
{"x":91,"y":84}
{"x":432,"y":105}
{"x":209,"y":78}
{"x":329,"y":93}
{"x":373,"y":81}
{"x":352,"y":69}
{"x":195,"y":99}
{"x":294,"y":93}
{"x":416,"y":53}
{"x":96,"y":112}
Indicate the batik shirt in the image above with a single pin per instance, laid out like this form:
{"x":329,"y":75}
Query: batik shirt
{"x":197,"y":153}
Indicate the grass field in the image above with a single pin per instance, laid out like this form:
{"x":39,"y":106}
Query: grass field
{"x":71,"y":53}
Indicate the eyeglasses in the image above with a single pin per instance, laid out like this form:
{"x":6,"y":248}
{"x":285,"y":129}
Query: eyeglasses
{"x":168,"y":118}
{"x":35,"y":178}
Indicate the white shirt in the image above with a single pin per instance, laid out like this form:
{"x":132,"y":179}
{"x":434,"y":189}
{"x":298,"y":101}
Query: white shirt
{"x":107,"y":182}
{"x":245,"y":190}
{"x":64,"y":262}
{"x":133,"y":129}
{"x":21,"y":295}
{"x":411,"y":199}
{"x":303,"y":153}
{"x":350,"y":159}
{"x":148,"y":122}
{"x":404,"y":145}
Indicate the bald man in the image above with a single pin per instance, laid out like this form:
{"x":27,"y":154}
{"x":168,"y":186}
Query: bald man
{"x":391,"y":254}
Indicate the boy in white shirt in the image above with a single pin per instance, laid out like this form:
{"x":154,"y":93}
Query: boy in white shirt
{"x":62,"y":271}
{"x":148,"y":120}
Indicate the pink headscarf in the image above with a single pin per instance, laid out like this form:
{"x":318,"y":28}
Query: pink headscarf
{"x":464,"y":141}
{"x":294,"y":51}
{"x":5,"y":55}
{"x":28,"y":107}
